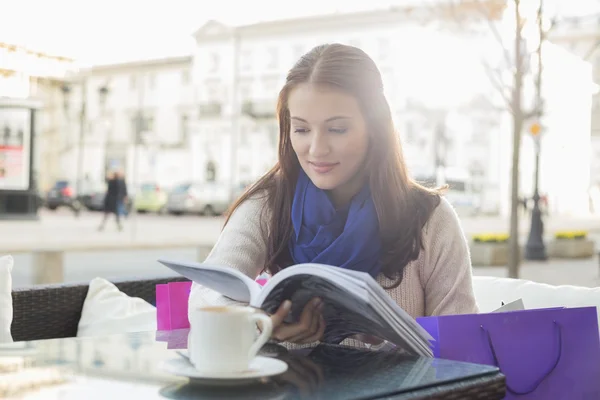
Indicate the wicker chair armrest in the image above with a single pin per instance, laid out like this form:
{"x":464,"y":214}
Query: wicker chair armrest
{"x":53,"y":311}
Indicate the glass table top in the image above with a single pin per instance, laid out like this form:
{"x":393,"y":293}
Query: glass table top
{"x":129,"y":365}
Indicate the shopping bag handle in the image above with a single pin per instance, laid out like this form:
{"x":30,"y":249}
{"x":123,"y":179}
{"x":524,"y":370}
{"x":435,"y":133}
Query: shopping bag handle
{"x":539,"y":381}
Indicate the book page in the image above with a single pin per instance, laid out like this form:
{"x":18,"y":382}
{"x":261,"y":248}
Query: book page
{"x":226,"y":280}
{"x":354,"y":303}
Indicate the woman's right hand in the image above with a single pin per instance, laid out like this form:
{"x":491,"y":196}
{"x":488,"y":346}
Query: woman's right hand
{"x":309,"y":328}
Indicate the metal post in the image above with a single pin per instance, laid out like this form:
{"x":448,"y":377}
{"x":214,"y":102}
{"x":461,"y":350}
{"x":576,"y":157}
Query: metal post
{"x":80,"y":152}
{"x":535,"y":248}
{"x":440,"y":151}
{"x":235,"y":116}
{"x":139,"y":126}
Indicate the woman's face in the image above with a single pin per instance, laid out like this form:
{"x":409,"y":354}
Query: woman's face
{"x":329,"y":136}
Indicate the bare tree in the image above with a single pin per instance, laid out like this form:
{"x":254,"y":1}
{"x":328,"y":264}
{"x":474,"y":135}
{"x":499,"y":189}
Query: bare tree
{"x":508,"y":79}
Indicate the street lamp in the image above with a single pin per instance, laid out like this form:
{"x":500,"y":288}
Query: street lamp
{"x":102,"y":95}
{"x":535,"y":248}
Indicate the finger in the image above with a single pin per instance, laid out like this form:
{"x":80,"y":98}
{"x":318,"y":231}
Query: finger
{"x":317,"y":335}
{"x":310,"y":314}
{"x":288,"y":332}
{"x":281,"y":313}
{"x":310,"y":337}
{"x":309,"y":321}
{"x":303,"y":328}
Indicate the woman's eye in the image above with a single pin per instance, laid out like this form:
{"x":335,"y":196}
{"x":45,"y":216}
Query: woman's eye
{"x":338,"y":130}
{"x":300,"y":130}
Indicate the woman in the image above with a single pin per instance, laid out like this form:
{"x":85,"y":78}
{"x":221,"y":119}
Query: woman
{"x":340,"y":195}
{"x":114,"y":199}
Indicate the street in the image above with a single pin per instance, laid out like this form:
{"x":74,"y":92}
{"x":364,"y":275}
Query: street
{"x":62,"y":229}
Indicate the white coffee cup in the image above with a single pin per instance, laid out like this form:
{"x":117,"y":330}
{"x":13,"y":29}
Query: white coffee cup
{"x":224,"y":339}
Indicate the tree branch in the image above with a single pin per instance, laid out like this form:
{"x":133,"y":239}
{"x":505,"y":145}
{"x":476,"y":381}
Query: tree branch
{"x":592,"y":50}
{"x":488,"y":18}
{"x":496,"y":80}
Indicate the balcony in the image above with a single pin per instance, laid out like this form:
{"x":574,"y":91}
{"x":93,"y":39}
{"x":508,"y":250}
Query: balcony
{"x":259,"y":109}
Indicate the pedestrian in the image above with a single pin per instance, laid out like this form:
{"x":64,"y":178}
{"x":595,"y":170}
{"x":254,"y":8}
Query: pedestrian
{"x":115,"y":198}
{"x":544,"y":204}
{"x":524,"y":203}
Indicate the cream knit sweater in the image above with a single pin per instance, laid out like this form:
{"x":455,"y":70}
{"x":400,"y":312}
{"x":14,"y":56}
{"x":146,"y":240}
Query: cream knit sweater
{"x":437,"y":283}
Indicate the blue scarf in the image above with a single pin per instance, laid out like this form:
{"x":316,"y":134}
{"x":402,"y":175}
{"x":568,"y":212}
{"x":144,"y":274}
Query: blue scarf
{"x":346,"y":237}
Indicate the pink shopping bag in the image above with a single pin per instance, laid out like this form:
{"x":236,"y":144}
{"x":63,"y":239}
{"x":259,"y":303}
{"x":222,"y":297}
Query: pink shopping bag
{"x":172,"y":305}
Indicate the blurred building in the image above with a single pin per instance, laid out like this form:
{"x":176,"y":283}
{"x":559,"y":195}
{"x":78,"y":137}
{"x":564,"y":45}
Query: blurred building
{"x":30,"y":74}
{"x":133,"y":116}
{"x":211,"y":115}
{"x":580,"y":36}
{"x":439,"y":93}
{"x":238,"y":72}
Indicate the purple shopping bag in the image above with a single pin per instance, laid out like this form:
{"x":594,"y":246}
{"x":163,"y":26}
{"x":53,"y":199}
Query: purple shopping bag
{"x":172,"y":305}
{"x":544,"y":354}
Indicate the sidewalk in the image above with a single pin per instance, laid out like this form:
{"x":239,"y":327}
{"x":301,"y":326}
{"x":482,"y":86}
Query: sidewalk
{"x":553,"y":272}
{"x":61,"y":228}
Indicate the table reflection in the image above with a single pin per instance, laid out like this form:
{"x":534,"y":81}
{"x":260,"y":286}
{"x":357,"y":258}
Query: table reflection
{"x":129,"y":365}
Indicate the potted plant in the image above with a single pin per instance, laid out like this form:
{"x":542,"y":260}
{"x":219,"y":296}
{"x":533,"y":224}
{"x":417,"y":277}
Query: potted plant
{"x":571,"y":244}
{"x":489,"y":249}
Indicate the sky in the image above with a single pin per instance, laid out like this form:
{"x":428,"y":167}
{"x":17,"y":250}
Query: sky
{"x":106,"y":31}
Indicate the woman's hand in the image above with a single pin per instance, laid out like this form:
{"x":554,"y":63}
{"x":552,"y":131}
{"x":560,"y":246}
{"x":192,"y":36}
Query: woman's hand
{"x":309,"y":328}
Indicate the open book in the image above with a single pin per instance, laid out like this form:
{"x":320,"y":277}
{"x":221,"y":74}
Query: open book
{"x":354,"y":302}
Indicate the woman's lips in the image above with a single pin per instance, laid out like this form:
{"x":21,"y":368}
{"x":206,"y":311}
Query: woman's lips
{"x":322,"y":167}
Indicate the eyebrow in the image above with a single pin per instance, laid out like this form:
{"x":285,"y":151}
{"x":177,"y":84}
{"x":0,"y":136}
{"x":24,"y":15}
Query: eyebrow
{"x":327,"y":120}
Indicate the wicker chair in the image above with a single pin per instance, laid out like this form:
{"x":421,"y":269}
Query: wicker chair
{"x":53,"y":311}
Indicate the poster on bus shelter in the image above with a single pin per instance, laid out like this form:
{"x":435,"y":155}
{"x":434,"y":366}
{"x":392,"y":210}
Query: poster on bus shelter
{"x":15,"y":143}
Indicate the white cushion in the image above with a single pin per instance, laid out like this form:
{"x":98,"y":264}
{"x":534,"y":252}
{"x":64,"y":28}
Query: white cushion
{"x":6,"y":308}
{"x":490,"y":292}
{"x":108,"y":311}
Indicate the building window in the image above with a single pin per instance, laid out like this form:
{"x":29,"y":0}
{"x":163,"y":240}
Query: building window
{"x":185,"y":76}
{"x":211,"y":171}
{"x":244,"y":136}
{"x":270,"y":85}
{"x":148,"y":125}
{"x":214,"y":62}
{"x":245,"y":91}
{"x":298,"y":52}
{"x":409,"y":133}
{"x":212,"y":91}
{"x":246,"y":60}
{"x":384,"y":49}
{"x":273,"y":134}
{"x":132,"y":82}
{"x":145,"y":124}
{"x":273,"y":55}
{"x":184,"y":127}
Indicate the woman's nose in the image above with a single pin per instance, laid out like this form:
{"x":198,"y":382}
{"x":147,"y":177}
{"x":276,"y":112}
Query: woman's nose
{"x":319,"y":145}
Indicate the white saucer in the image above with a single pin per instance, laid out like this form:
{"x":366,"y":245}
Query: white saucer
{"x":260,"y":367}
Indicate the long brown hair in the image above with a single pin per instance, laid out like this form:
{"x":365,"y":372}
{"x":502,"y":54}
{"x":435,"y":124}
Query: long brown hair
{"x":403,"y":206}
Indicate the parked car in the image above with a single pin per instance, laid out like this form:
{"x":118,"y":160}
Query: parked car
{"x":60,"y":195}
{"x":93,"y":198}
{"x":150,"y":198}
{"x":198,"y":198}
